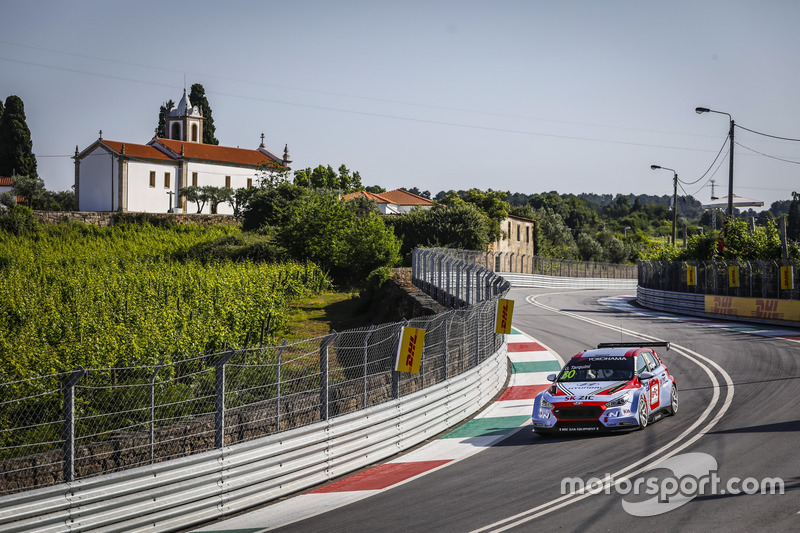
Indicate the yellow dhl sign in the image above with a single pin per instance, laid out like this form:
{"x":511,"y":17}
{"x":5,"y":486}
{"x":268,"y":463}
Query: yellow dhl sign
{"x":763,"y":308}
{"x":502,"y":321}
{"x":409,"y":352}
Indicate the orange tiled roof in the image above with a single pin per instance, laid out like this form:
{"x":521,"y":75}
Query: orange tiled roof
{"x":222,"y":154}
{"x":137,"y":150}
{"x":397,"y":197}
{"x":401,"y":197}
{"x":366,"y":194}
{"x":6,"y":181}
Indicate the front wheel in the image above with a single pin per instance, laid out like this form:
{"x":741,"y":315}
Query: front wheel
{"x":644,"y":412}
{"x":673,"y":400}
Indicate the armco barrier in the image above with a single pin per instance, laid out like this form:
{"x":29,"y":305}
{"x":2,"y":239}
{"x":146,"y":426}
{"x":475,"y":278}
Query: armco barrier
{"x":556,"y":282}
{"x":183,"y":492}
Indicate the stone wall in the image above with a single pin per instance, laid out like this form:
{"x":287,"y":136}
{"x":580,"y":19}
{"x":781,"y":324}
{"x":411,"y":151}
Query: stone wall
{"x":107,"y":218}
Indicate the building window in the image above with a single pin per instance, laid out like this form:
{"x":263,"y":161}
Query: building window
{"x":228,"y":182}
{"x":509,"y":230}
{"x":194,"y":132}
{"x":249,"y":182}
{"x":166,"y":180}
{"x":194,"y":179}
{"x":518,"y":232}
{"x":152,"y":178}
{"x":176,"y":132}
{"x":527,"y":234}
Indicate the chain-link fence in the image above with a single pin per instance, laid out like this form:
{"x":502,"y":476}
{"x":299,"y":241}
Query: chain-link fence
{"x":754,"y":279}
{"x":65,"y":427}
{"x":532,"y":264}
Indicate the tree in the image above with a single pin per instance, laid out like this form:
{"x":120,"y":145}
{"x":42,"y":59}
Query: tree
{"x":197,"y":96}
{"x":239,"y":199}
{"x":324,"y":177}
{"x":459,"y":225}
{"x":30,"y":187}
{"x":323,"y":229}
{"x":215,"y":196}
{"x":193,"y":194}
{"x":793,"y":219}
{"x":16,"y":146}
{"x":163,"y":113}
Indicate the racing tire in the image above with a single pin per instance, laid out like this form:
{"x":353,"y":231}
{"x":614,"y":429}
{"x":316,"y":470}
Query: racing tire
{"x":644,"y":412}
{"x":673,"y":400}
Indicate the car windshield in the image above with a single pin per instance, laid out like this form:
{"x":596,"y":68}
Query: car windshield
{"x":610,"y":368}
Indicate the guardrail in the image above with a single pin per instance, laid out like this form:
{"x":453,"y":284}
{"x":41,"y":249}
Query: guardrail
{"x":350,"y":410}
{"x":192,"y":490}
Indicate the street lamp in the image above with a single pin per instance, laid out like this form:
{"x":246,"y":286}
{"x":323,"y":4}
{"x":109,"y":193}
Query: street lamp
{"x":626,"y":230}
{"x":674,"y":199}
{"x":701,"y":110}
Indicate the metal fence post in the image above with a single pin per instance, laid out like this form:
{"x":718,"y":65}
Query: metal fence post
{"x":69,"y":422}
{"x":278,"y":387}
{"x":366,"y":350}
{"x":324,"y":408}
{"x":153,"y":411}
{"x":395,"y":373}
{"x":219,"y":398}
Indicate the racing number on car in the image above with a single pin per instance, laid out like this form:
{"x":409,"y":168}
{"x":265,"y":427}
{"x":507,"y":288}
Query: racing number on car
{"x":654,"y":394}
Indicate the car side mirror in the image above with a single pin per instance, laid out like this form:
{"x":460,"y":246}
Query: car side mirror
{"x":644,"y":376}
{"x":551,"y":377}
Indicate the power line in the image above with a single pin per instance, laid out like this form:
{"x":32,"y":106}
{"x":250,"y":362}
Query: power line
{"x":767,"y":134}
{"x":767,"y":155}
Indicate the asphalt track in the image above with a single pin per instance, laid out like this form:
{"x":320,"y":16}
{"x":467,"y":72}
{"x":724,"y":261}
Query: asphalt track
{"x":739,"y":400}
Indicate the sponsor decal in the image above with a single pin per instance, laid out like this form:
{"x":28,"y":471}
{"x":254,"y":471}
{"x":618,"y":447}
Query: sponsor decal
{"x":409,"y":352}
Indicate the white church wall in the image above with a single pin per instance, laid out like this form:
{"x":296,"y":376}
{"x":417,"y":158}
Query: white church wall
{"x":143,"y":198}
{"x":98,"y":174}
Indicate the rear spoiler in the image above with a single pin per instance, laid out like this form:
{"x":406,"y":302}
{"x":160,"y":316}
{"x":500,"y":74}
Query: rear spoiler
{"x":664,"y":345}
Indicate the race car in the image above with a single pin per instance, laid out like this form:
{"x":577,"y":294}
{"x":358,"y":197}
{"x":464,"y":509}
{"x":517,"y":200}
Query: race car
{"x":618,"y":386}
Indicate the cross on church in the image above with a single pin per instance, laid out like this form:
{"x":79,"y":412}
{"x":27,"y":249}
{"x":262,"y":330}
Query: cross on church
{"x":170,"y":193}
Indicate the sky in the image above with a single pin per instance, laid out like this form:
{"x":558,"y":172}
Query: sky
{"x":523,"y":96}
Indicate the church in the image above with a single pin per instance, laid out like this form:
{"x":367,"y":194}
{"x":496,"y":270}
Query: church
{"x":147,"y":178}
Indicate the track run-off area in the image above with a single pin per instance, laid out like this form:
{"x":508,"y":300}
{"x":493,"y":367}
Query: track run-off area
{"x":715,"y":465}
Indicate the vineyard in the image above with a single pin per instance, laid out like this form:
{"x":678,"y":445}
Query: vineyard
{"x":127,"y":296}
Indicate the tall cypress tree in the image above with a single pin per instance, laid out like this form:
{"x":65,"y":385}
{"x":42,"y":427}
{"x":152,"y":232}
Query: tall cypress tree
{"x":16,"y":146}
{"x":163,"y":113}
{"x":198,"y":97}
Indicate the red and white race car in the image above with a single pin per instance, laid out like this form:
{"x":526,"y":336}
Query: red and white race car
{"x":617,"y":386}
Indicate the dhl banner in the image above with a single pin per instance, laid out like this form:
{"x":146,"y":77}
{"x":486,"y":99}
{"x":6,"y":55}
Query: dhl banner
{"x":787,"y":278}
{"x":502,"y":321}
{"x":733,"y":277}
{"x":409,"y":352}
{"x":691,"y":275}
{"x":764,"y":308}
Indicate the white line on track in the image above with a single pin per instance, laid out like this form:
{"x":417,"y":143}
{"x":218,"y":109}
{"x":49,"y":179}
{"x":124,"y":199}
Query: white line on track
{"x":681,"y":442}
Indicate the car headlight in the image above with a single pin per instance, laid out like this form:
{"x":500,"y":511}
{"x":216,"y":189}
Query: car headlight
{"x":544,"y":404}
{"x":622,"y":400}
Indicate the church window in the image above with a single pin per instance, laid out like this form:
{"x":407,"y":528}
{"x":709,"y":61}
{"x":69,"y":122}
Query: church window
{"x":166,"y":180}
{"x":176,"y":132}
{"x":194,"y":179}
{"x":249,"y":182}
{"x":228,"y":181}
{"x":194,"y":133}
{"x":152,"y":178}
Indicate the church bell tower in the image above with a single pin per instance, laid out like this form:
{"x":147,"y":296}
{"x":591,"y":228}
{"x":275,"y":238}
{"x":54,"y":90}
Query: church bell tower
{"x":185,"y":122}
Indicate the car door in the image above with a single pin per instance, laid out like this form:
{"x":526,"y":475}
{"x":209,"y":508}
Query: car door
{"x":651,"y":365}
